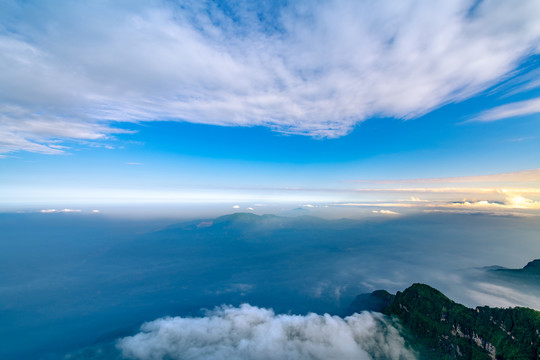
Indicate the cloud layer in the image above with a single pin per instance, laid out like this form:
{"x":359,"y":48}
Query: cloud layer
{"x":254,"y":333}
{"x":518,"y":177}
{"x":72,"y":70}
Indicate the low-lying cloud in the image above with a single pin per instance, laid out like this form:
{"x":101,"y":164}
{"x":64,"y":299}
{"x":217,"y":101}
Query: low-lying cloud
{"x":249,"y":332}
{"x":499,"y":295}
{"x":53,"y":211}
{"x":385,"y":212}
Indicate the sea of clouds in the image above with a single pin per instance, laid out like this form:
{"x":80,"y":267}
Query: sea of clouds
{"x":85,"y":291}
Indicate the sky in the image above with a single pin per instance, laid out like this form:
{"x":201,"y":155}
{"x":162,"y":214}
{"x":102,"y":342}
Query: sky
{"x":370,"y":107}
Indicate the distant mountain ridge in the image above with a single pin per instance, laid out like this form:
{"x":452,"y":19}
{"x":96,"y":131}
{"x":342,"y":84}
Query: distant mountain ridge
{"x":533,"y":265}
{"x":439,"y":328}
{"x":532,"y":268}
{"x":247,"y":220}
{"x":527,"y":277}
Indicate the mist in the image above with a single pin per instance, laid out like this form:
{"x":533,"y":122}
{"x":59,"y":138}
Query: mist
{"x":73,"y":281}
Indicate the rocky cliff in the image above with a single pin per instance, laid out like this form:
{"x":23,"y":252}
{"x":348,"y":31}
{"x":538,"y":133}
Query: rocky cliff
{"x":439,"y":328}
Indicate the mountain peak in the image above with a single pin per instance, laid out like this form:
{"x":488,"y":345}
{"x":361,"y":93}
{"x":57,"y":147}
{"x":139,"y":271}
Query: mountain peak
{"x":446,"y":329}
{"x":533,"y":265}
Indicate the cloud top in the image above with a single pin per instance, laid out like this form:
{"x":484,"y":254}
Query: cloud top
{"x":72,"y":70}
{"x":249,"y":332}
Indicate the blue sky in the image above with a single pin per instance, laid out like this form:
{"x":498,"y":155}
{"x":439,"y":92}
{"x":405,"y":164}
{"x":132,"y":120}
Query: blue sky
{"x":303,"y":102}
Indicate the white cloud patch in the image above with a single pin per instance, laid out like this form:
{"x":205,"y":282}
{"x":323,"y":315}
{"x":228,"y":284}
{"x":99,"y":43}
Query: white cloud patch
{"x":520,"y":108}
{"x":71,"y":70}
{"x":236,"y":207}
{"x":385,"y":212}
{"x":254,"y":333}
{"x":49,"y":211}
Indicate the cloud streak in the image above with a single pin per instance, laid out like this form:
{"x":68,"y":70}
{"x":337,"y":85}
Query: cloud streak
{"x":385,"y":212}
{"x":74,"y":70}
{"x":54,"y":211}
{"x":520,"y":108}
{"x":250,"y":332}
{"x":526,"y":176}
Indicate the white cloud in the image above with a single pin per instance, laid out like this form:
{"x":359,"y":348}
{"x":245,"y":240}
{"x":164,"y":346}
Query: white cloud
{"x":512,"y":201}
{"x":236,"y":207}
{"x":520,"y":202}
{"x":385,"y":212}
{"x":254,"y":333}
{"x":95,"y":211}
{"x":71,"y":70}
{"x":520,"y":108}
{"x":48,"y":211}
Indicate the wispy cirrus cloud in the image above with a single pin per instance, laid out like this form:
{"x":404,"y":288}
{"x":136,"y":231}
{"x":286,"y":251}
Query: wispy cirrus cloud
{"x":72,"y":70}
{"x":520,"y":108}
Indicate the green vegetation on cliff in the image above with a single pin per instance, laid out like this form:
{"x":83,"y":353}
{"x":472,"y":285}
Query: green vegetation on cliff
{"x":447,"y":330}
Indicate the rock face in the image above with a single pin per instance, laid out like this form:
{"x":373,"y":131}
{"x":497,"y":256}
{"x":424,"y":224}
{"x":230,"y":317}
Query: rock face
{"x":443,"y":329}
